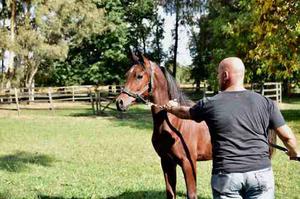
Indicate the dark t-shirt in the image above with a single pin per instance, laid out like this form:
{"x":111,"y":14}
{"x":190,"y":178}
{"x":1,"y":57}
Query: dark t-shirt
{"x":238,"y":122}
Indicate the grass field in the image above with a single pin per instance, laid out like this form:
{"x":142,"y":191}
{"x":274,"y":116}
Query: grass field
{"x":73,"y":154}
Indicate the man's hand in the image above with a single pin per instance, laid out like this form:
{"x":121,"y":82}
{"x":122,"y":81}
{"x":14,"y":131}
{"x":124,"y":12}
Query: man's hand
{"x":175,"y":108}
{"x":294,"y":156}
{"x":170,"y":105}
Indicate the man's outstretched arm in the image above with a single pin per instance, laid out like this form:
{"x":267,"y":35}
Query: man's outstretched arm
{"x":182,"y":112}
{"x":289,"y":140}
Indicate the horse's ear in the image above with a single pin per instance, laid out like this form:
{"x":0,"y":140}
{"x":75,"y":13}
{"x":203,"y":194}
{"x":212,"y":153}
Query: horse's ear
{"x":141,"y":57}
{"x":138,"y":57}
{"x":133,"y":57}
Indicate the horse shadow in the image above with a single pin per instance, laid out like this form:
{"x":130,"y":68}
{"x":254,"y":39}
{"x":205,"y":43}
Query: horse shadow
{"x":147,"y":195}
{"x":55,"y":197}
{"x":136,"y":117}
{"x":19,"y":161}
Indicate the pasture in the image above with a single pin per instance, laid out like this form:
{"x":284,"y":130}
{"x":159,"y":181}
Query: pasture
{"x":73,"y":154}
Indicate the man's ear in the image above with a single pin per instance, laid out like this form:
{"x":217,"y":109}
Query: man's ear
{"x":225,"y":75}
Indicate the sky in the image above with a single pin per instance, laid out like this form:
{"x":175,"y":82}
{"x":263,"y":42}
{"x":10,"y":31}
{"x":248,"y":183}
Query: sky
{"x":183,"y":56}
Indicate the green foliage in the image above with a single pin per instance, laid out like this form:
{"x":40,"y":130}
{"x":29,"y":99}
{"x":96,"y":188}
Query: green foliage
{"x":97,"y":59}
{"x":103,"y":58}
{"x":184,"y":75}
{"x":47,"y":33}
{"x":265,"y":34}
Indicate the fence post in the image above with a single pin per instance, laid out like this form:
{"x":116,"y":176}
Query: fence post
{"x":10,"y":98}
{"x":73,"y":94}
{"x":280,"y":92}
{"x":50,"y":98}
{"x":262,"y":89}
{"x":17,"y":101}
{"x":92,"y":101}
{"x":277,"y":92}
{"x":31,"y":94}
{"x":96,"y":101}
{"x":99,"y":101}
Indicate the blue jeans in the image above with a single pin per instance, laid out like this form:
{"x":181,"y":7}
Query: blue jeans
{"x":249,"y":185}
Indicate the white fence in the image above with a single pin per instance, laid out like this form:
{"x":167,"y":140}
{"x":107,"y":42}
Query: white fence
{"x":101,"y":97}
{"x":272,"y":90}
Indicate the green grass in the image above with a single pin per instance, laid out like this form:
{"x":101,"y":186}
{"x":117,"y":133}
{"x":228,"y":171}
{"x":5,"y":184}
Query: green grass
{"x":73,"y":154}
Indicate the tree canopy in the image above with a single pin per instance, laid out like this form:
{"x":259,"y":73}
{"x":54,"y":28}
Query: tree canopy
{"x":265,"y":34}
{"x":67,"y":42}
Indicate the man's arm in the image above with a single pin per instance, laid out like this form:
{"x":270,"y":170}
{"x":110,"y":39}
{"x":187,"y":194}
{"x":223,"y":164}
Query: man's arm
{"x":182,"y":112}
{"x":289,"y":140}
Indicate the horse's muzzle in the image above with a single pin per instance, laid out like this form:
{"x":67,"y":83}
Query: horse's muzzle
{"x":120,"y":105}
{"x":123,"y":102}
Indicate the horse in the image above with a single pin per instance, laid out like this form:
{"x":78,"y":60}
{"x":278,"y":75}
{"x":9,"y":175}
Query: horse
{"x":176,"y":141}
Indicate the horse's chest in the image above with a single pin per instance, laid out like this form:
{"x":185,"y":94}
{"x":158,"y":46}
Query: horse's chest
{"x":164,"y":142}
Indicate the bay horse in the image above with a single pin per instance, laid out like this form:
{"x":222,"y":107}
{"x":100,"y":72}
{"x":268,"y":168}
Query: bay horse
{"x":176,"y":141}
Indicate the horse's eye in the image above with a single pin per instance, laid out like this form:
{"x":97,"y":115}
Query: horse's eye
{"x":139,"y":76}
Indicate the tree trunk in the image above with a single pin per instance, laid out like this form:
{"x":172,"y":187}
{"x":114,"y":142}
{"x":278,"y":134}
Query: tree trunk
{"x":2,"y":71}
{"x":3,"y":51}
{"x":157,"y":42}
{"x":287,"y":87}
{"x":158,"y":51}
{"x":10,"y":68}
{"x":197,"y":81}
{"x":144,"y":42}
{"x":30,"y":81}
{"x":176,"y":38}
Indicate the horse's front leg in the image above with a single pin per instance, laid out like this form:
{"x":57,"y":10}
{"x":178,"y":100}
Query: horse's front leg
{"x":189,"y":171}
{"x":169,"y":169}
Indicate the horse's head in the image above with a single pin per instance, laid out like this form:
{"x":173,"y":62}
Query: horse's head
{"x":138,"y":84}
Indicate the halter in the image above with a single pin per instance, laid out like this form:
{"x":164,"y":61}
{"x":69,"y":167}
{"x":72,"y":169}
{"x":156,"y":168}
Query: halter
{"x":149,"y":87}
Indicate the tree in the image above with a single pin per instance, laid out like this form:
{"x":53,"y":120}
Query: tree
{"x":254,"y":30}
{"x":46,"y":30}
{"x":102,"y":58}
{"x":184,"y":10}
{"x":200,"y":51}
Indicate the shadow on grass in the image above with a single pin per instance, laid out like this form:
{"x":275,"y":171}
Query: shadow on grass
{"x":55,"y":197}
{"x":147,"y":195}
{"x":291,"y":115}
{"x":19,"y":161}
{"x":135,"y":117}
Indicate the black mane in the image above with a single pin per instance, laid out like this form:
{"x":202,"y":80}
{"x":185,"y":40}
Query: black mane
{"x":174,"y":91}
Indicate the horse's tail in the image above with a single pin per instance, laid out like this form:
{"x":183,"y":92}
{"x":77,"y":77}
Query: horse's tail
{"x":272,"y":138}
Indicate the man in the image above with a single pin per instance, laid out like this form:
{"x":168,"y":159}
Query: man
{"x":238,"y":121}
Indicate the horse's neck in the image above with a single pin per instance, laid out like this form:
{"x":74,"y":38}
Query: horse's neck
{"x":160,"y":95}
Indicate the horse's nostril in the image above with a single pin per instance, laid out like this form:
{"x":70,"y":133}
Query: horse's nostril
{"x":120,"y":105}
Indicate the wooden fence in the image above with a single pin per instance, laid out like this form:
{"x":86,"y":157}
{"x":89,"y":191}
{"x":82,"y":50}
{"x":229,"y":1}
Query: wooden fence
{"x":99,"y":96}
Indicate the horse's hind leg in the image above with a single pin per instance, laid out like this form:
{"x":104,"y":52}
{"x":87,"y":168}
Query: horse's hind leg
{"x":189,"y":171}
{"x":169,"y":169}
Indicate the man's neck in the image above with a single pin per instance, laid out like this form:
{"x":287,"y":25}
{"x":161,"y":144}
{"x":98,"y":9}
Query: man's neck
{"x":235,"y":88}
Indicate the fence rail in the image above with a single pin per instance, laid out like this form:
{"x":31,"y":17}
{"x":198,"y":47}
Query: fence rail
{"x":272,"y":90}
{"x":101,"y":97}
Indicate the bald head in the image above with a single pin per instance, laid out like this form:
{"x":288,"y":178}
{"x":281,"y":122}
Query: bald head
{"x":231,"y":73}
